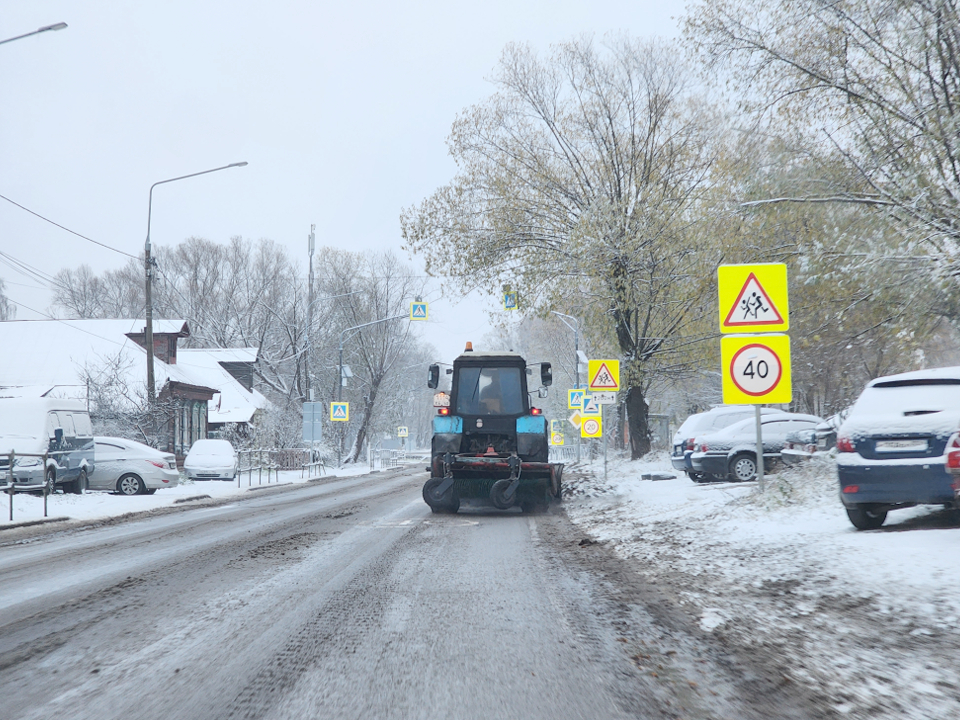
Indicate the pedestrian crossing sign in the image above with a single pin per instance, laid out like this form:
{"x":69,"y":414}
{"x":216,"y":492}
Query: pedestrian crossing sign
{"x":511,"y":300}
{"x":575,"y":399}
{"x":418,"y":311}
{"x":340,"y":411}
{"x":402,"y":431}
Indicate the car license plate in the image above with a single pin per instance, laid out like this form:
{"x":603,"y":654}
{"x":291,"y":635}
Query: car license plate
{"x":901,"y":445}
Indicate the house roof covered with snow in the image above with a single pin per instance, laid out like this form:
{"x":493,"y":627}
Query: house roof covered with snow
{"x":54,"y":358}
{"x":234,"y":403}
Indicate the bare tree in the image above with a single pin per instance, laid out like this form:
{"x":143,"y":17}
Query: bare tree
{"x":579,"y":180}
{"x":8,"y":311}
{"x":374,"y":353}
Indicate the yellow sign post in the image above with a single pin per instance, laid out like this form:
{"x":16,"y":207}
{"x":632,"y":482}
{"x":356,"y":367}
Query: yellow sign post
{"x":591,"y":427}
{"x":756,"y":369}
{"x":604,"y":374}
{"x":753,"y":298}
{"x":575,"y":399}
{"x":340,"y":411}
{"x":419,"y":310}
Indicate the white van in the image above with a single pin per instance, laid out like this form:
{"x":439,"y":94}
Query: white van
{"x":60,"y":429}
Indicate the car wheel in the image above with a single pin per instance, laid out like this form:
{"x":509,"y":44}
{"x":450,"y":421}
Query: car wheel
{"x":863,"y":518}
{"x":131,"y":485}
{"x":79,"y":486}
{"x":743,"y":467}
{"x":150,"y":491}
{"x":50,"y":481}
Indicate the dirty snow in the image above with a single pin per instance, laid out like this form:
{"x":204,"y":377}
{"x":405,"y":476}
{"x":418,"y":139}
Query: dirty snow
{"x":869,"y":621}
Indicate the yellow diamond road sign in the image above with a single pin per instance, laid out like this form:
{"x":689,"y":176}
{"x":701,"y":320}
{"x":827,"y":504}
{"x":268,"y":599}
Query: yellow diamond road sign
{"x":753,"y":298}
{"x":591,"y":427}
{"x":575,"y":418}
{"x":756,"y":369}
{"x":604,"y":374}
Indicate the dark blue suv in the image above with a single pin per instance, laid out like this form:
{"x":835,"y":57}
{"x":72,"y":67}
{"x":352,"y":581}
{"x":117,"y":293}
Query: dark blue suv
{"x":890,"y":448}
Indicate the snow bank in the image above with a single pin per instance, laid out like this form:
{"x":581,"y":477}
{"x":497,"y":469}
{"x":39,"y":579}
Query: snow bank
{"x":865,"y":619}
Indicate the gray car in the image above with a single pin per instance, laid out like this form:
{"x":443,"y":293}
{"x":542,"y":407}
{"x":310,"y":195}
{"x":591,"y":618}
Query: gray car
{"x":732,"y":453}
{"x":132,"y":468}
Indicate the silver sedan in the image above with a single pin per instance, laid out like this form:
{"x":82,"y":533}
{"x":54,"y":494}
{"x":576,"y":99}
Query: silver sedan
{"x":131,"y":468}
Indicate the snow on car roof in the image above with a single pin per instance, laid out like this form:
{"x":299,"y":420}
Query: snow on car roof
{"x":942,"y":373}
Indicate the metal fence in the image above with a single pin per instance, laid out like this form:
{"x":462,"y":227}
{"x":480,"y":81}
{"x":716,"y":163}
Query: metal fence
{"x":11,"y":488}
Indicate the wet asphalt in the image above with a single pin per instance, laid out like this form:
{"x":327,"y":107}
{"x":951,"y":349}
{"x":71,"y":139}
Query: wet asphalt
{"x":348,"y":599}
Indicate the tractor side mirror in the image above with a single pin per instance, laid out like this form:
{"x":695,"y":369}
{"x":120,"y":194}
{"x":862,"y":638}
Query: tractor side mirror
{"x":546,"y":374}
{"x":433,"y":379}
{"x":542,"y":392}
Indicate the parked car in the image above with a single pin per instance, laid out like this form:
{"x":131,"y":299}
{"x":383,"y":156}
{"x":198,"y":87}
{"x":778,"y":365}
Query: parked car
{"x":132,"y":468}
{"x":952,"y":457}
{"x":211,"y":460}
{"x":891,"y":447}
{"x":805,"y":444}
{"x":30,"y":427}
{"x":731,"y":453}
{"x":799,"y":446}
{"x":700,"y":424}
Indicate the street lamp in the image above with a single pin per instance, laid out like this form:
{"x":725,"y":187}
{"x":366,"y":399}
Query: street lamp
{"x":148,"y":270}
{"x":45,"y":28}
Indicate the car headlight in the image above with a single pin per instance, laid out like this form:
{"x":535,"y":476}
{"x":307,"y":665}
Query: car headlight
{"x":28,"y":462}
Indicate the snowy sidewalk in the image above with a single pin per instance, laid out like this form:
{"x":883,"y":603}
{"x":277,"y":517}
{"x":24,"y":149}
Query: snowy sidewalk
{"x":867,"y":619}
{"x":95,"y":505}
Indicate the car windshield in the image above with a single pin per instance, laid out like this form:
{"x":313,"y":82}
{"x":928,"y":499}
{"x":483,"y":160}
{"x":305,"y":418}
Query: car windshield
{"x":917,"y":397}
{"x":489,"y":391}
{"x":211,"y":447}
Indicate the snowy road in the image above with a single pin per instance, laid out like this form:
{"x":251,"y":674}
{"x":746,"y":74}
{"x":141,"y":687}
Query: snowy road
{"x":349,"y":599}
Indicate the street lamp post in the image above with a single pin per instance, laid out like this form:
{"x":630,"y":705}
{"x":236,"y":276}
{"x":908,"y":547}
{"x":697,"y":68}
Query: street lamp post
{"x":576,"y":356}
{"x":148,"y":271}
{"x":45,"y":28}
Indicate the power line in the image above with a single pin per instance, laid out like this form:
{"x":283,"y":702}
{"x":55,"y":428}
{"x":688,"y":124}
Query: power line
{"x":65,"y":322}
{"x":72,"y":232}
{"x":26,"y":269}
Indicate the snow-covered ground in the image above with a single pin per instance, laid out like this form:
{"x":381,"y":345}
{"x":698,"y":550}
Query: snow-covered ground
{"x":98,"y":505}
{"x":870,"y":621}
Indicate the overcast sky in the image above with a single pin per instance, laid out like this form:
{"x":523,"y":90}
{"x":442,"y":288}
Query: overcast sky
{"x":341,"y":109}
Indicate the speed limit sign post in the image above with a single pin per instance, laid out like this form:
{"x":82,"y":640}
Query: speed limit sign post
{"x":756,"y":369}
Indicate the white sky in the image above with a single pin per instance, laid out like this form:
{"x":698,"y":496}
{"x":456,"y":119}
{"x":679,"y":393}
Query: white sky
{"x":342,"y":111}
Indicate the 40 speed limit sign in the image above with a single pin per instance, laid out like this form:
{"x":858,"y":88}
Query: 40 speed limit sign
{"x":756,"y":369}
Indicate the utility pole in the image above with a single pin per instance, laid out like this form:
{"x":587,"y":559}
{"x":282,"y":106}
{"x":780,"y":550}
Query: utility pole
{"x":576,"y":360}
{"x":310,"y":245}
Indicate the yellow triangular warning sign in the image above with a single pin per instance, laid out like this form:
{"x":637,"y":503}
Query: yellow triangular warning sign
{"x":603,"y":379}
{"x":753,"y":306}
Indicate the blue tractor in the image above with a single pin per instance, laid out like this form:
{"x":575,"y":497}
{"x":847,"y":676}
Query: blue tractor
{"x":489,"y":442}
